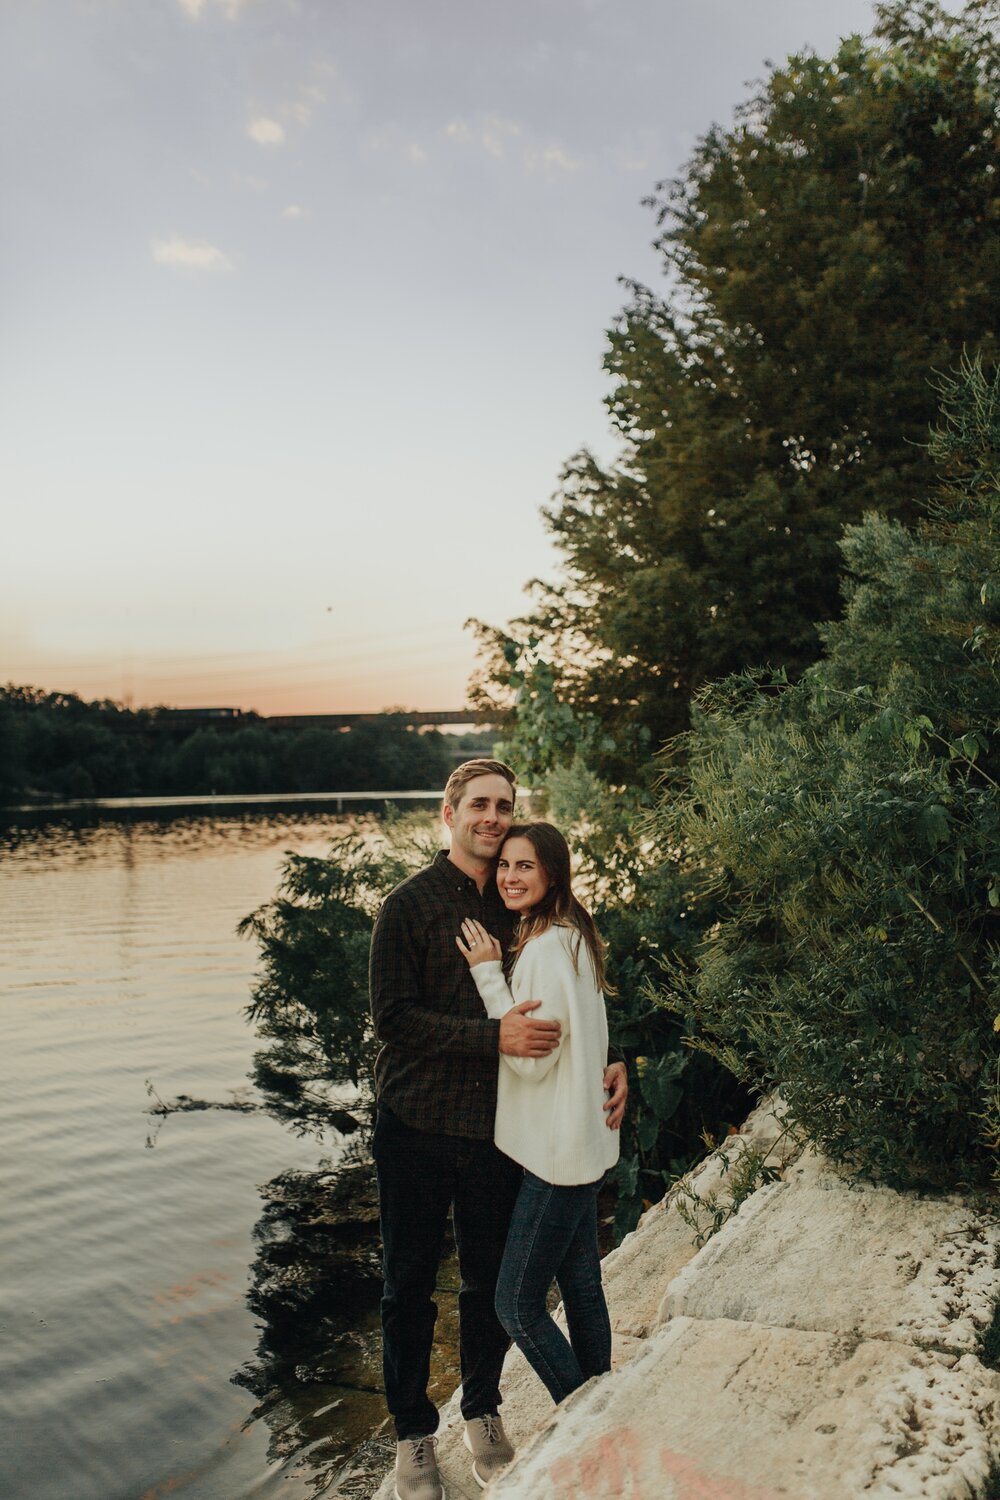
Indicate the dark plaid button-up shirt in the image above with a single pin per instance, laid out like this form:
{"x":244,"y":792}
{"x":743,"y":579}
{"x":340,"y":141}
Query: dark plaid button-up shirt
{"x":437,"y":1068}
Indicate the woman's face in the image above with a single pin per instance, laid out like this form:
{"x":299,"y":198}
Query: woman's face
{"x":521,"y":880}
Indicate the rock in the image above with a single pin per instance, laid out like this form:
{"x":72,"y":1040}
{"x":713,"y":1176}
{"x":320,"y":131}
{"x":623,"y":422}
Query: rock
{"x":668,"y":1235}
{"x":820,"y":1346}
{"x":737,"y":1411}
{"x":817,"y":1252}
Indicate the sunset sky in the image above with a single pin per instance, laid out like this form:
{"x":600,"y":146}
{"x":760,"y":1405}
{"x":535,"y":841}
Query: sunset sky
{"x":304,"y":308}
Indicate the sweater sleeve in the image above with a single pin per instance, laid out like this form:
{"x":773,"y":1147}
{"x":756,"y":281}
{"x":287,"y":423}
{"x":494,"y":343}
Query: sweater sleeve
{"x":493,"y":988}
{"x":544,"y":972}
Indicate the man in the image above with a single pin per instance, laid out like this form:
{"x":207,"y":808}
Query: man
{"x":436,"y":1088}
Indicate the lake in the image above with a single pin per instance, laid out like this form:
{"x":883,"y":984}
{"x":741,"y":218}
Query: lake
{"x":130,"y":1242}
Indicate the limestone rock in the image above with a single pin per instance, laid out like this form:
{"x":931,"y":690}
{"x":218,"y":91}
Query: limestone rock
{"x":637,"y":1273}
{"x":816,"y":1252}
{"x":820,"y":1346}
{"x":737,"y":1411}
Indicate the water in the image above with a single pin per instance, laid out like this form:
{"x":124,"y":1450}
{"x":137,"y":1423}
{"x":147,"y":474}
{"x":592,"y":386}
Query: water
{"x":127,"y":1242}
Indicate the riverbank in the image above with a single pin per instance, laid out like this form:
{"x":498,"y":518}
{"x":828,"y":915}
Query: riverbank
{"x":827,"y":1342}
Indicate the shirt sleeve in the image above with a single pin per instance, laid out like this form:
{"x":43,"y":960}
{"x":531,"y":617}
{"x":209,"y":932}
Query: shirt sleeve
{"x":395,"y":988}
{"x":544,"y":972}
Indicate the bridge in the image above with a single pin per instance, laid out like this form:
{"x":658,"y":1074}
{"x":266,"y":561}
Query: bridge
{"x":186,"y":720}
{"x":419,"y":718}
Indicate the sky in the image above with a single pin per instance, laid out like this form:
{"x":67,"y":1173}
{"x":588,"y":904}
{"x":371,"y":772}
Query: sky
{"x":304,"y":308}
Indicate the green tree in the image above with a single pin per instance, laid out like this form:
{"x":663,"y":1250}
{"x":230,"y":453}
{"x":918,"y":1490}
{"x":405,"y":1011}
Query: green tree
{"x":846,"y":830}
{"x":823,"y":256}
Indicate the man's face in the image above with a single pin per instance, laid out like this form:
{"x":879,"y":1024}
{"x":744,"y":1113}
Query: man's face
{"x":481,"y":819}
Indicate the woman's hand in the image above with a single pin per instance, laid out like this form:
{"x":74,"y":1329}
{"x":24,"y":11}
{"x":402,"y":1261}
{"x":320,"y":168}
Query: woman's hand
{"x":475,"y":945}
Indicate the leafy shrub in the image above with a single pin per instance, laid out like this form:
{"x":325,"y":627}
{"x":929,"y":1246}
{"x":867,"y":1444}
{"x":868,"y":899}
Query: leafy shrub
{"x":310,"y":1000}
{"x":848,"y":827}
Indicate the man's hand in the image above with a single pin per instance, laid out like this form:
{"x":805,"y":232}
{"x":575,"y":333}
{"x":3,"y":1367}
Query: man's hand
{"x":616,"y":1080}
{"x":520,"y":1036}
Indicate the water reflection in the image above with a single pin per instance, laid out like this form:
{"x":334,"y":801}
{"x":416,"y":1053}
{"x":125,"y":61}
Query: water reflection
{"x":84,"y":834}
{"x":124,"y":1269}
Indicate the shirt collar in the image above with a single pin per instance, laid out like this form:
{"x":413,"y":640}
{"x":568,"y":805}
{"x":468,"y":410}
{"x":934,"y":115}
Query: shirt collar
{"x":456,"y":878}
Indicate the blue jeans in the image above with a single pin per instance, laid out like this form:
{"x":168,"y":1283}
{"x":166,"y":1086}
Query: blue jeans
{"x":553,"y":1235}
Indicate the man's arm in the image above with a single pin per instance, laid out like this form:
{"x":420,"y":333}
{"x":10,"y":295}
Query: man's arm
{"x":520,"y":1036}
{"x":616,"y":1080}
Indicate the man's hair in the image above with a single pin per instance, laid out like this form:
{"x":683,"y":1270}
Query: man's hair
{"x":468,"y":770}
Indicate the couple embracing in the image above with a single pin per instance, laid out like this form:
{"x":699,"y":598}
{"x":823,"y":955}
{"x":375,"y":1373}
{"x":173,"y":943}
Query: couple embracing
{"x":495,"y":1102}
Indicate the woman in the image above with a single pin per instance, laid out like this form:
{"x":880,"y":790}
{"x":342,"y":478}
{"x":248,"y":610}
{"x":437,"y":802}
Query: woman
{"x":550,"y":1116}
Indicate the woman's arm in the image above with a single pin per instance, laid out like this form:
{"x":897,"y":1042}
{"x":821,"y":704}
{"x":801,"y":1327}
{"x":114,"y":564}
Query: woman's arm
{"x":482,"y":953}
{"x":544,"y":974}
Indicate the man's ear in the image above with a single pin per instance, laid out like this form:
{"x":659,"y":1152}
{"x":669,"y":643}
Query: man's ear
{"x":448,"y":813}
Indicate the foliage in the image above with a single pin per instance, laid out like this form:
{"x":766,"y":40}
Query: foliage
{"x":676,"y":1094}
{"x":743,"y":1170}
{"x":823,"y":257}
{"x":55,"y":744}
{"x":310,"y":1000}
{"x":846,"y":830}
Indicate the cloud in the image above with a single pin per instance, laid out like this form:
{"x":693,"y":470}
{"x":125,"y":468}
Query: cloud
{"x":391,"y":142}
{"x":198,"y":255}
{"x":310,"y":97}
{"x":551,"y":158}
{"x":229,"y":8}
{"x":505,"y":139}
{"x":293,"y":211}
{"x":491,"y":133}
{"x":265,"y":131}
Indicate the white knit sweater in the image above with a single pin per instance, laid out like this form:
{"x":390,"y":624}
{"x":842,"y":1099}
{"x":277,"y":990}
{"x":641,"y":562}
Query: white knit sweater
{"x":550,"y":1114}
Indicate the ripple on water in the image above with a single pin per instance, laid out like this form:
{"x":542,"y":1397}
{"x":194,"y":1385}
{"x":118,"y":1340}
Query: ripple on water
{"x":126,"y":1267}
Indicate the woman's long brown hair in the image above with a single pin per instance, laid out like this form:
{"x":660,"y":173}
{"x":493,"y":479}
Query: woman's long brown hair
{"x":558,"y":907}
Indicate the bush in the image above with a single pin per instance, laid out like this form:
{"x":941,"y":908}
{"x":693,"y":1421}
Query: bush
{"x":849,"y":828}
{"x":310,"y":1001}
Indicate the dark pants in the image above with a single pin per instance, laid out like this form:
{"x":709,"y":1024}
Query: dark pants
{"x":553,"y":1235}
{"x":421,"y":1176}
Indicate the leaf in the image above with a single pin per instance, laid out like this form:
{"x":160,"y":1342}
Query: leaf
{"x":658,"y":1082}
{"x":647,"y":1131}
{"x":933,"y":823}
{"x":627,"y":1175}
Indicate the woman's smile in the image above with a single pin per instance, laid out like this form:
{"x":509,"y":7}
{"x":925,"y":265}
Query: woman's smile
{"x":521,"y":880}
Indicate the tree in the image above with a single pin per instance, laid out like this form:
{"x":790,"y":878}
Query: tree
{"x":824,"y":256}
{"x":846,"y":830}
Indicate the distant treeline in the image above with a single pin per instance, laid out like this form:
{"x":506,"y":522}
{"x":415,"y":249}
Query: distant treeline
{"x":55,"y":744}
